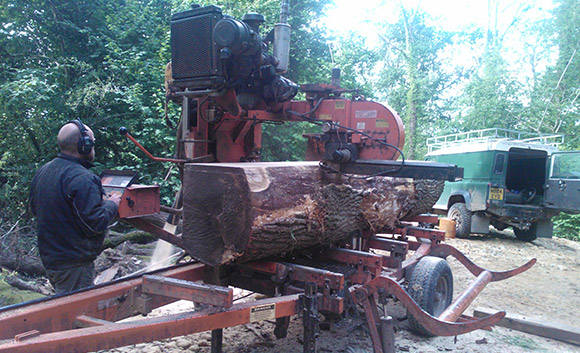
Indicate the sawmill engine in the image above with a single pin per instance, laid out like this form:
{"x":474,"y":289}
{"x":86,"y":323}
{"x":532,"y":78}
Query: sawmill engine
{"x":213,"y":53}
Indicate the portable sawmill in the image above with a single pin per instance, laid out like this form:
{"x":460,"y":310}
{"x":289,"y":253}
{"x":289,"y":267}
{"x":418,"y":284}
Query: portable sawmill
{"x":343,"y":230}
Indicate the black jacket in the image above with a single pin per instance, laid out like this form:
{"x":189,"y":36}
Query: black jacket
{"x":67,"y":200}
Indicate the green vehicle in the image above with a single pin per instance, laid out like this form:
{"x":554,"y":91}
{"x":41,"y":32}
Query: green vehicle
{"x":511,"y":179}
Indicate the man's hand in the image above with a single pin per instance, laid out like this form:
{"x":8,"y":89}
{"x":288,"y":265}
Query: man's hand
{"x":116,"y":198}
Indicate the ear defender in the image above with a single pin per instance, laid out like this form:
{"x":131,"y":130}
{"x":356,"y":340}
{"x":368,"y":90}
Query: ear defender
{"x":86,"y":143}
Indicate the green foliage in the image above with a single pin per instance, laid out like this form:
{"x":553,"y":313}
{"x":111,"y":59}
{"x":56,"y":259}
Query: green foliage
{"x":567,"y":226}
{"x":10,"y":295}
{"x":284,"y":142}
{"x":413,"y":79}
{"x":356,"y":61}
{"x":103,"y":62}
{"x":491,"y":97}
{"x":558,"y":90}
{"x":100,"y":61}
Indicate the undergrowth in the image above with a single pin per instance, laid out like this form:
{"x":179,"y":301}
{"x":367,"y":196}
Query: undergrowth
{"x":567,"y":226}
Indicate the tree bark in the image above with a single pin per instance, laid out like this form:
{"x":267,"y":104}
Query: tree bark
{"x":246,"y":211}
{"x":115,"y":239}
{"x":21,"y":263}
{"x":26,"y":285}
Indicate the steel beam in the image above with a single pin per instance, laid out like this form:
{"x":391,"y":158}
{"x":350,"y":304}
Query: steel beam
{"x":187,"y":290}
{"x":121,"y":334}
{"x":111,"y":302}
{"x":406,"y":169}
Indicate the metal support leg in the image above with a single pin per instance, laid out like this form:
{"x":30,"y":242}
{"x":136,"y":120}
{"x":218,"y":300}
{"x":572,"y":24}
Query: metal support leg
{"x":372,"y":315}
{"x":387,"y":334}
{"x":216,"y":340}
{"x":310,"y":318}
{"x":281,"y":329}
{"x":380,"y":328}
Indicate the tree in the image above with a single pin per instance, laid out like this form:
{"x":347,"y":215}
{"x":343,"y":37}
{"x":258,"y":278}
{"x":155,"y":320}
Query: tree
{"x":492,"y":97}
{"x":100,"y":61}
{"x":103,"y":61}
{"x":413,"y":78}
{"x":495,"y":96}
{"x":357,"y":62}
{"x":558,"y":93}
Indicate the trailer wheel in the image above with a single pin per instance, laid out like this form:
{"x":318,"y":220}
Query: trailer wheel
{"x":462,"y":217}
{"x":528,"y":234}
{"x":431,"y":286}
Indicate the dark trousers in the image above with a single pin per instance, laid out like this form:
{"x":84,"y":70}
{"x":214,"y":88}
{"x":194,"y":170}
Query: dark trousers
{"x":72,"y":279}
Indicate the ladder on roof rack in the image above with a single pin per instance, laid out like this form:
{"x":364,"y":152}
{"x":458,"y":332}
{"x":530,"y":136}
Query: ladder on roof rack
{"x":491,"y":135}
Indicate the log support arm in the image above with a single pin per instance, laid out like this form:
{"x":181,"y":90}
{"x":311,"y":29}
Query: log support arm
{"x":434,"y":325}
{"x":445,"y":250}
{"x":445,"y":324}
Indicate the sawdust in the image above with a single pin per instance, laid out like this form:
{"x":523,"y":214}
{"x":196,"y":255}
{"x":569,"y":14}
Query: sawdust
{"x":549,"y":291}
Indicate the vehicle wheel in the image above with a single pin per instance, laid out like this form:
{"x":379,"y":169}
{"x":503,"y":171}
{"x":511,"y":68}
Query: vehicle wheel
{"x":527,"y":235}
{"x":431,"y":286}
{"x":462,"y":217}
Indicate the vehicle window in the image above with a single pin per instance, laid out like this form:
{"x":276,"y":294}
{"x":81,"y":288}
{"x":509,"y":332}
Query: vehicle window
{"x":565,"y":166}
{"x":499,"y":162}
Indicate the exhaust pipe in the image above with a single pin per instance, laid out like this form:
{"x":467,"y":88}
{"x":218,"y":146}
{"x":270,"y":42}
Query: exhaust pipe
{"x":282,"y":39}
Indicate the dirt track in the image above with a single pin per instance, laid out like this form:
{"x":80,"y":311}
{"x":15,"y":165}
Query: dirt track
{"x":549,"y":291}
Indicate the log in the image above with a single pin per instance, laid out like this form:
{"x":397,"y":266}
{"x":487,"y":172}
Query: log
{"x":247,"y":211}
{"x":22,"y":263}
{"x":16,"y":282}
{"x":114,"y":239}
{"x":128,"y":248}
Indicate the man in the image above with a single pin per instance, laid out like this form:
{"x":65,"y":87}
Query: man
{"x":72,"y":216}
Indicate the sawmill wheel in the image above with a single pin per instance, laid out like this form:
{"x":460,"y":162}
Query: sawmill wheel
{"x":431,"y":286}
{"x":459,"y":213}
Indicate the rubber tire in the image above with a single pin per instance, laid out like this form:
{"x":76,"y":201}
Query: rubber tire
{"x":423,"y":286}
{"x":527,"y":235}
{"x":462,"y":217}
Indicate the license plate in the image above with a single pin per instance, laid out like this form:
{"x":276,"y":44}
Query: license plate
{"x":496,"y":193}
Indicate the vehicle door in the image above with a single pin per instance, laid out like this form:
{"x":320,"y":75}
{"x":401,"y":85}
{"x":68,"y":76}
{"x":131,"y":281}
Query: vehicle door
{"x":563,"y":181}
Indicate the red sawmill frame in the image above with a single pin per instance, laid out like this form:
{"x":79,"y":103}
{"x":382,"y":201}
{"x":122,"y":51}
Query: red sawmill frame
{"x":93,"y":319}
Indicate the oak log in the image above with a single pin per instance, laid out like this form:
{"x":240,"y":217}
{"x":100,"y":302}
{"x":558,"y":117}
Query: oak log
{"x":247,"y":211}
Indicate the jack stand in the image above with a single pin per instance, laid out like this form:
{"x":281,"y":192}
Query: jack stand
{"x":387,"y":334}
{"x":281,"y":329}
{"x":216,"y":340}
{"x":310,"y":320}
{"x":381,"y":328}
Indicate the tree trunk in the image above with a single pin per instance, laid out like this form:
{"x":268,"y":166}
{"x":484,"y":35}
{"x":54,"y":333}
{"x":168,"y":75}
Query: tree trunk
{"x":19,"y":283}
{"x":247,"y":211}
{"x":115,"y":239}
{"x":21,"y":263}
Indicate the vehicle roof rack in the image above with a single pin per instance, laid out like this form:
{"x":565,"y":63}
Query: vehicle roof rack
{"x":491,"y":135}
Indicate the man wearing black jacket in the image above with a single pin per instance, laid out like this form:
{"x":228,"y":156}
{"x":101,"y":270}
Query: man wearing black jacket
{"x":71,"y":211}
